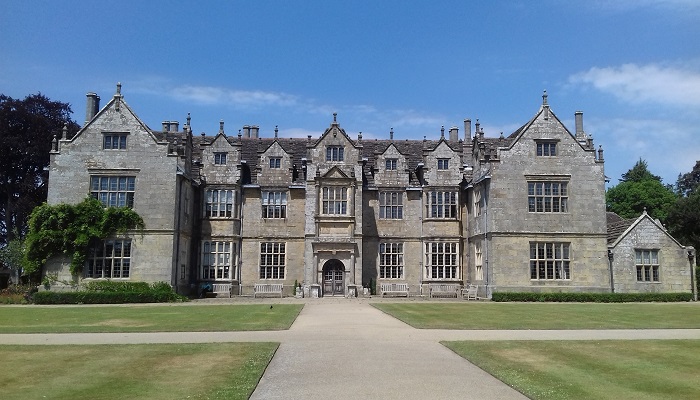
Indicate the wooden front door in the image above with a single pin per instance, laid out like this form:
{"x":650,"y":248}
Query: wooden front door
{"x":333,"y":274}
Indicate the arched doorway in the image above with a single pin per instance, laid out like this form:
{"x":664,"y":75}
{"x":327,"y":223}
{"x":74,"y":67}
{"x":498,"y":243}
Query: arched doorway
{"x":333,"y":275}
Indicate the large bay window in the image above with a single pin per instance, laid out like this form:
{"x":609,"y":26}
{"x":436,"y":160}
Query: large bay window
{"x":549,"y":261}
{"x":334,"y":200}
{"x":110,"y":259}
{"x":217,"y":258}
{"x":113,"y":191}
{"x":219,"y":203}
{"x":441,"y":260}
{"x":442,"y":204}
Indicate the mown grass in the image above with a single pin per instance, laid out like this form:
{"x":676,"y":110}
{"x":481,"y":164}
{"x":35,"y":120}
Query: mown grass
{"x":487,"y":315}
{"x":143,"y":371}
{"x":615,"y":369}
{"x":156,"y":318}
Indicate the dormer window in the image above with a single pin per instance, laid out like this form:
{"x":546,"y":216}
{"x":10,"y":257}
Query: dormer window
{"x":391,"y":164}
{"x":335,"y":153}
{"x":275,"y":162}
{"x":219,"y":158}
{"x":114,"y":141}
{"x":443,"y":163}
{"x":546,"y":148}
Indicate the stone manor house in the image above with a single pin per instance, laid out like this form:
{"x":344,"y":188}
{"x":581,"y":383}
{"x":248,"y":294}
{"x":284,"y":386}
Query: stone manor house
{"x":523,"y":212}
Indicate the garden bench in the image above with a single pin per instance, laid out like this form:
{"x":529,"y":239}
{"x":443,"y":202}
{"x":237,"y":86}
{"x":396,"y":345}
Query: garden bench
{"x":222,"y":288}
{"x":444,"y":290}
{"x":397,"y":289}
{"x":263,"y":289}
{"x":470,"y":292}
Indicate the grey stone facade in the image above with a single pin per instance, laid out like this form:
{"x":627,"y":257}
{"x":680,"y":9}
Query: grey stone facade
{"x":524,"y":212}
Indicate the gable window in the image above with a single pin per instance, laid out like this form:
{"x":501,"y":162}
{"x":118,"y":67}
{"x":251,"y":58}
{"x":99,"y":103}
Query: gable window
{"x":390,"y":205}
{"x":220,"y":158}
{"x":109,"y":259}
{"x":219,"y":203}
{"x":216,"y":259}
{"x":334,"y":200}
{"x":335,"y":153}
{"x":443,"y":163}
{"x":274,"y":204}
{"x":547,"y":197}
{"x":391,"y":164}
{"x":647,"y":263}
{"x":114,"y":141}
{"x":272,"y":261}
{"x":546,"y":149}
{"x":275,"y":162}
{"x":391,"y":261}
{"x":113,"y":191}
{"x":442,"y":204}
{"x":549,"y":261}
{"x":441,"y":261}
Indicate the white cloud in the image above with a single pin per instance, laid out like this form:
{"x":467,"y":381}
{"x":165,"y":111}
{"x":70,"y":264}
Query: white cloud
{"x":652,"y":83}
{"x":681,"y":6}
{"x":237,"y":98}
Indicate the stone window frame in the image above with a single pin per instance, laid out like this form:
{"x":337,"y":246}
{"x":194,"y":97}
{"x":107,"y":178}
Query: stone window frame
{"x":114,"y":140}
{"x":274,"y":204}
{"x":335,"y":153}
{"x":391,"y":260}
{"x":442,"y":260}
{"x":275,"y":162}
{"x":217,"y":259}
{"x":220,"y":157}
{"x":443,"y":164}
{"x":550,"y":261}
{"x":391,"y":164}
{"x":272,"y":260}
{"x":546,"y":147}
{"x":646,"y":262}
{"x":478,"y":262}
{"x":219,"y":203}
{"x":477,"y":193}
{"x":390,"y":204}
{"x":334,"y":200}
{"x":545,"y":196}
{"x":110,"y":259}
{"x":113,"y":190}
{"x":442,"y":204}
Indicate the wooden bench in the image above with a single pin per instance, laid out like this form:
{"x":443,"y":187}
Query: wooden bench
{"x":397,"y":289}
{"x":264,"y":289}
{"x":444,"y":290}
{"x":470,"y":292}
{"x":222,"y":288}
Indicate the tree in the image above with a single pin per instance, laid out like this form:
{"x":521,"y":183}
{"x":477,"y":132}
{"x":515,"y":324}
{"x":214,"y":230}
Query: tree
{"x":27,"y":128}
{"x":640,"y":190}
{"x":688,"y":182}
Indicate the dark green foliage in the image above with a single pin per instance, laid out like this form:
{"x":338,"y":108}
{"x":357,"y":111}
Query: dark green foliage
{"x":27,"y":129}
{"x":72,"y":229}
{"x":108,"y":292}
{"x":590,"y":297}
{"x":689,"y":182}
{"x":640,"y":190}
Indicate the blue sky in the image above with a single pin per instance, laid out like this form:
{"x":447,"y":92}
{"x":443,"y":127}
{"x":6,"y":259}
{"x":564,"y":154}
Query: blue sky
{"x":631,"y":66}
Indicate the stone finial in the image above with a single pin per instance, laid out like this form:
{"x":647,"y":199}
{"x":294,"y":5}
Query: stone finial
{"x":335,"y":117}
{"x":239,"y":135}
{"x":544,"y":98}
{"x":442,"y":132}
{"x":54,"y":144}
{"x":600,"y":153}
{"x":189,"y":119}
{"x":359,"y":136}
{"x":119,"y":88}
{"x":221,"y":126}
{"x":276,"y":131}
{"x":391,"y":133}
{"x":64,"y":132}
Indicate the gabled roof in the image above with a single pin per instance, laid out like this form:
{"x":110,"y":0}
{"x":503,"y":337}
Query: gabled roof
{"x":617,"y":230}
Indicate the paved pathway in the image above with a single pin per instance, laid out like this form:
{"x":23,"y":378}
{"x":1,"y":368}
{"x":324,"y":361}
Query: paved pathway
{"x":347,"y":349}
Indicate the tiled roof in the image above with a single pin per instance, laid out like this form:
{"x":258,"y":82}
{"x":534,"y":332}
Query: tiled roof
{"x":617,"y":226}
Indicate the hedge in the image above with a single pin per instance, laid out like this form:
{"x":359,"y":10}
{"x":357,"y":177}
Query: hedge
{"x":108,"y":292}
{"x":591,"y":297}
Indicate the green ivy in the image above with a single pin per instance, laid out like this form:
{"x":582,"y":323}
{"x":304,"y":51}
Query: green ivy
{"x":66,"y":229}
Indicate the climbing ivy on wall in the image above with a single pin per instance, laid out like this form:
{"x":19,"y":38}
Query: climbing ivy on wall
{"x":71,"y":229}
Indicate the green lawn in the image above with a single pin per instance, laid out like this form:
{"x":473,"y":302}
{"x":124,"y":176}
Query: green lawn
{"x":155,"y":318}
{"x":487,"y":315}
{"x":615,"y":369}
{"x":144,"y":371}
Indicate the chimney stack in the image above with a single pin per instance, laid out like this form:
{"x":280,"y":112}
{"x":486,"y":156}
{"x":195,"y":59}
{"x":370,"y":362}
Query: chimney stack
{"x":467,"y":130}
{"x":578,"y":115}
{"x":93,"y":106}
{"x":454,"y":134}
{"x":254,"y":131}
{"x":174,"y":126}
{"x":166,"y":126}
{"x":246,"y":131}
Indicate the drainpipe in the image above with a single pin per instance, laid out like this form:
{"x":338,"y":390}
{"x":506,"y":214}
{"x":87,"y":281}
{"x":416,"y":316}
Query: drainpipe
{"x":691,"y":261}
{"x":422,"y":244}
{"x":612,"y":275}
{"x":487,"y":243}
{"x":239,"y":263}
